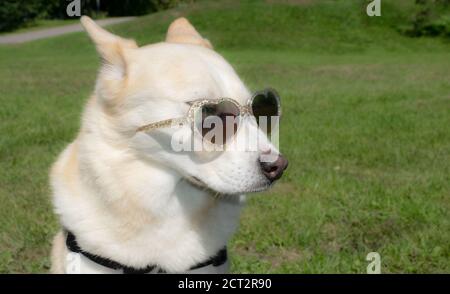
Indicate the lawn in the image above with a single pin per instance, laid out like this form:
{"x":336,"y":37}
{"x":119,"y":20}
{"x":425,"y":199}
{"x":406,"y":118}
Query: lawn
{"x":366,"y":129}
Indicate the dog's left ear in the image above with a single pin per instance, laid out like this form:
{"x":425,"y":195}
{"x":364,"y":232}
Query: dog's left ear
{"x":181,"y":31}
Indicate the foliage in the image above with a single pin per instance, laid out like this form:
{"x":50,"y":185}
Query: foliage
{"x":432,"y":18}
{"x":138,"y":7}
{"x":17,"y":13}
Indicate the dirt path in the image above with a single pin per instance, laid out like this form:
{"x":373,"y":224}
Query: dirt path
{"x":56,"y":31}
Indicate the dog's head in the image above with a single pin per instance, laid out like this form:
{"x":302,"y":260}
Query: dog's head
{"x":138,"y":86}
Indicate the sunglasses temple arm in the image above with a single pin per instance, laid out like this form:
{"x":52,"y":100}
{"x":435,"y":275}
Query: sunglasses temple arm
{"x":171,"y":122}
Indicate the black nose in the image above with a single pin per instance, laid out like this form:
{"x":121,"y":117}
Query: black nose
{"x":274,"y":170}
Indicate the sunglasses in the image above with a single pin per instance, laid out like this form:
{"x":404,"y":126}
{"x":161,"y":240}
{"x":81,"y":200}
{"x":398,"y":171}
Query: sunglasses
{"x":218,"y":120}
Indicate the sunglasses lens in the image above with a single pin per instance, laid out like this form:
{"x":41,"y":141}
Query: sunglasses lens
{"x":217,"y":122}
{"x":265,"y":105}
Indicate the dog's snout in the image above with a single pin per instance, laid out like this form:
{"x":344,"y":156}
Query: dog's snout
{"x":274,"y":170}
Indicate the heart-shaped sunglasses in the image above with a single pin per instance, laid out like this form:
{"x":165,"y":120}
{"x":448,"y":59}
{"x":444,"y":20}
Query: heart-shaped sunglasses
{"x":204,"y":113}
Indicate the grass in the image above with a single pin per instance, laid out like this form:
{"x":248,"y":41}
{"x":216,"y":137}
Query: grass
{"x":366,"y":128}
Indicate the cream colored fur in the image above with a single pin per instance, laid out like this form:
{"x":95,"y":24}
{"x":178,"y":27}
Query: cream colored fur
{"x":127,"y":196}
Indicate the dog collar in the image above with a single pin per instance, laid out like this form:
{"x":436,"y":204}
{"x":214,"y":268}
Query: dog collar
{"x":71,"y":242}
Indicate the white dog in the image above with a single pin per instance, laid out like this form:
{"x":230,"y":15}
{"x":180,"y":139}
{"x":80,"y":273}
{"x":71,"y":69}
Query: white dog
{"x":129,"y":203}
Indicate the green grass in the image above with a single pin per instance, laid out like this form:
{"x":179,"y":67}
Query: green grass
{"x":366,"y":129}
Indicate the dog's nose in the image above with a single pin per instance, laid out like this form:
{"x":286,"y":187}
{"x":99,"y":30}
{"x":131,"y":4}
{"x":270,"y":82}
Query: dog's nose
{"x":274,"y":170}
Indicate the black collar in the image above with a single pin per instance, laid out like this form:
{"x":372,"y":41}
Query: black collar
{"x":71,"y":242}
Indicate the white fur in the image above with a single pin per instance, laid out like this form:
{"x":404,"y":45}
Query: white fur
{"x":125,"y":195}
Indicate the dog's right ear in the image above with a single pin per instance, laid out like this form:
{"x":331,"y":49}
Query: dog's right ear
{"x":110,"y":47}
{"x":113,"y":51}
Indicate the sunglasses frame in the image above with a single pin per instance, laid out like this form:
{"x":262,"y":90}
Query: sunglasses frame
{"x":195,"y":105}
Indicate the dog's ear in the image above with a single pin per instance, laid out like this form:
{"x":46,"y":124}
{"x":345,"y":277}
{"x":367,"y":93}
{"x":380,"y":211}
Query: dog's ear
{"x":110,"y":47}
{"x":182,"y":31}
{"x":113,"y":51}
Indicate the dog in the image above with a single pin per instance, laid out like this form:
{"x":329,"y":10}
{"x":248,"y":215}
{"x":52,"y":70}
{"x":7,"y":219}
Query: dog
{"x":126,"y":201}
